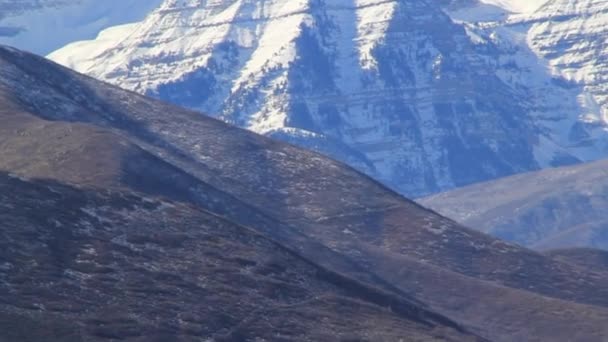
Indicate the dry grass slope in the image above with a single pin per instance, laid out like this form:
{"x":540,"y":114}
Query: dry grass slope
{"x":357,"y":246}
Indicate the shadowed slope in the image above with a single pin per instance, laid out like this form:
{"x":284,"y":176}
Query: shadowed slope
{"x":328,"y":213}
{"x":115,"y":265}
{"x":592,"y":259}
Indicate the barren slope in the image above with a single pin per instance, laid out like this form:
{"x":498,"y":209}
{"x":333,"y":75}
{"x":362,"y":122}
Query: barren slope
{"x":591,"y":258}
{"x":556,"y":208}
{"x":82,"y":265}
{"x":328,"y":213}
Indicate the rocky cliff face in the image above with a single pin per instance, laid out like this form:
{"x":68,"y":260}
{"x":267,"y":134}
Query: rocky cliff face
{"x":561,"y":207}
{"x":572,"y":37}
{"x":551,"y":55}
{"x":394,"y":88}
{"x":418,"y":99}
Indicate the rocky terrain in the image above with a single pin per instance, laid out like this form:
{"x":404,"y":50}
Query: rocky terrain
{"x":550,"y":55}
{"x":571,"y":37}
{"x":396,"y":89}
{"x":556,"y":208}
{"x":196,"y":183}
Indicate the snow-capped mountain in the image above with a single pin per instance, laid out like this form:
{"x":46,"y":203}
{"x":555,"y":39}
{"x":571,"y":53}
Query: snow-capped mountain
{"x":572,"y":36}
{"x":42,"y":26}
{"x":555,"y":74}
{"x":399,"y":89}
{"x":516,"y":6}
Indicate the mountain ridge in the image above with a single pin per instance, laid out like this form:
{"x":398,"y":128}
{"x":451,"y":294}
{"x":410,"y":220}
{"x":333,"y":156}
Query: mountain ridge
{"x":549,"y":209}
{"x":327,"y":212}
{"x":371,"y":80}
{"x":26,"y":23}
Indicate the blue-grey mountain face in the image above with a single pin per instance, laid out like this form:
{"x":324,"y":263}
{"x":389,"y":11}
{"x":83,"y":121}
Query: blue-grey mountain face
{"x":395,"y":88}
{"x":549,"y":209}
{"x":42,"y":26}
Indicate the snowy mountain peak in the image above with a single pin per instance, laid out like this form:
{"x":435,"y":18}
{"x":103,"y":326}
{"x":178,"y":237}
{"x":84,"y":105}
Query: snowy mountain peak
{"x":517,"y":6}
{"x":394,"y":88}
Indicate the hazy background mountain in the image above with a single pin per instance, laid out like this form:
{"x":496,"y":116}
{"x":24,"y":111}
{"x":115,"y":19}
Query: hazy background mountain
{"x":42,"y":26}
{"x":556,"y":208}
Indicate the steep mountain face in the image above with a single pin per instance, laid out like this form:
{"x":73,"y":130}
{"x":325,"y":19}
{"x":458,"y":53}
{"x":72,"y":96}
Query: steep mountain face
{"x":393,"y":88}
{"x":557,"y":208}
{"x":571,"y":37}
{"x":566,"y":38}
{"x":399,"y":255}
{"x":42,"y":26}
{"x":552,"y":57}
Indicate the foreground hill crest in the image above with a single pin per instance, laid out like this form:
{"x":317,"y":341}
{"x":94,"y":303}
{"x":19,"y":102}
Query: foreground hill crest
{"x":351,"y":234}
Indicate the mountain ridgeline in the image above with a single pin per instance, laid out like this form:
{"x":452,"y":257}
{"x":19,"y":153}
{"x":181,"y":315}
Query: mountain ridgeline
{"x":151,"y":222}
{"x":27,"y":23}
{"x":397,"y":89}
{"x":549,"y":209}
